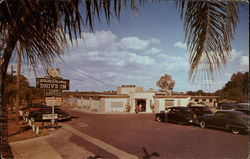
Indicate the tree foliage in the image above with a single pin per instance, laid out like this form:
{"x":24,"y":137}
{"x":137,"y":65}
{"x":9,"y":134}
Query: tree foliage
{"x":166,"y":83}
{"x":209,"y":27}
{"x":11,"y":89}
{"x":199,"y":93}
{"x":235,"y":89}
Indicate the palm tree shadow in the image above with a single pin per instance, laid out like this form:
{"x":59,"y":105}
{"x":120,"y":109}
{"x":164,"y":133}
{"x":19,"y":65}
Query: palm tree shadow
{"x":149,"y":156}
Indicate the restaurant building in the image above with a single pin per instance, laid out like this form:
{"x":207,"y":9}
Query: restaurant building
{"x":127,"y":97}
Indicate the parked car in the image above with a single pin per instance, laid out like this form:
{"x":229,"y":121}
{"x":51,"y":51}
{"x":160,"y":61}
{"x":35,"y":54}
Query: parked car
{"x":234,"y":121}
{"x":246,"y":111}
{"x":182,"y":115}
{"x":242,"y":106}
{"x":226,"y":106}
{"x":37,"y":115}
{"x":200,"y":110}
{"x":30,"y":108}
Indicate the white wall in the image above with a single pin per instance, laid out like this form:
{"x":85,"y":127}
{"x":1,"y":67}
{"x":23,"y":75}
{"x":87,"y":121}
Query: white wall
{"x":108,"y":104}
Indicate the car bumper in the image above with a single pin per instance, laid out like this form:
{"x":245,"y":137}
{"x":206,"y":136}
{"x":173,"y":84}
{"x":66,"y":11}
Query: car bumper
{"x":64,"y":118}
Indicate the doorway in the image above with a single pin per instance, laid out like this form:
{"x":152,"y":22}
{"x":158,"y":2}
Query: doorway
{"x":142,"y":104}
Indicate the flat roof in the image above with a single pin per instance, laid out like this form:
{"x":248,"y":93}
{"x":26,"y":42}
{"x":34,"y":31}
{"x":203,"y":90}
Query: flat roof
{"x":204,"y":97}
{"x":173,"y":96}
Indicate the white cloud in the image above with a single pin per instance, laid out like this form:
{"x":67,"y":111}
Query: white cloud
{"x":99,"y":40}
{"x":228,"y":74}
{"x":234,"y":55}
{"x":244,"y":60}
{"x":134,"y":43}
{"x":181,"y":45}
{"x":155,"y":41}
{"x":172,"y":63}
{"x":153,"y":51}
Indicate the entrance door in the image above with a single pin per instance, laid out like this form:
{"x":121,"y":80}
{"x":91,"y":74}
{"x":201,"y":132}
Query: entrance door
{"x":142,"y":104}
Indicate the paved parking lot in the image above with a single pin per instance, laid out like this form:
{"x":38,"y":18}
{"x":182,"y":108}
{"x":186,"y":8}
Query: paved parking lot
{"x":132,"y":132}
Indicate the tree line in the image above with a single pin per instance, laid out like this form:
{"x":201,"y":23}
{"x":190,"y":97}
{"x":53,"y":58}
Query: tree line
{"x":28,"y":93}
{"x":235,"y":89}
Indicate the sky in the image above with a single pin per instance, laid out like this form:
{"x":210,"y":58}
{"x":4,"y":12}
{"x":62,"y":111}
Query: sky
{"x":138,"y":49}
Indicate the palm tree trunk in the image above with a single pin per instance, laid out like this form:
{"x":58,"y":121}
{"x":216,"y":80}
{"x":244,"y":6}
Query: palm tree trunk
{"x":4,"y":145}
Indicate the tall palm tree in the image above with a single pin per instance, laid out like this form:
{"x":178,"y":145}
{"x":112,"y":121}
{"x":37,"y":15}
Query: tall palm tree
{"x":40,"y":27}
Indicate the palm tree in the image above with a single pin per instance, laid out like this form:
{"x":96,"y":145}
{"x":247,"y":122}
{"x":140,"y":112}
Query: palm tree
{"x":40,"y":27}
{"x":209,"y":27}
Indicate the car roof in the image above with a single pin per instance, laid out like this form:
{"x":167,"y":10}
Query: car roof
{"x":178,"y":107}
{"x":198,"y":106}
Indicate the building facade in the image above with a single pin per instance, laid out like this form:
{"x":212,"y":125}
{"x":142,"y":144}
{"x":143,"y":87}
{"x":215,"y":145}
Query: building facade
{"x":127,"y":97}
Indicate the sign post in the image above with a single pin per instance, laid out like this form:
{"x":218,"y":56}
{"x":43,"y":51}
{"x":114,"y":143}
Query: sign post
{"x":53,"y":86}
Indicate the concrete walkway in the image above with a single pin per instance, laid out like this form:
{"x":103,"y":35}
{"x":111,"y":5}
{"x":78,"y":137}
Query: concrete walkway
{"x":54,"y":146}
{"x":60,"y":145}
{"x":36,"y":148}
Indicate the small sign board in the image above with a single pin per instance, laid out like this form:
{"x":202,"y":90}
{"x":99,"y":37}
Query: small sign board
{"x":53,"y":101}
{"x":50,"y":116}
{"x":53,"y":93}
{"x":52,"y":83}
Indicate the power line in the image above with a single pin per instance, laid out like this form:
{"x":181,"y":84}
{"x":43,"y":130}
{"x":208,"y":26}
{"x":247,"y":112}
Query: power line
{"x":88,"y":76}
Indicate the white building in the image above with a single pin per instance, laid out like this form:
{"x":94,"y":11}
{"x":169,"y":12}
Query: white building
{"x":126,"y":99}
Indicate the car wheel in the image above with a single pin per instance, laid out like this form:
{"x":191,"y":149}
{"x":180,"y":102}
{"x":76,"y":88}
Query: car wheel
{"x":235,"y":131}
{"x":158,"y":118}
{"x":202,"y":124}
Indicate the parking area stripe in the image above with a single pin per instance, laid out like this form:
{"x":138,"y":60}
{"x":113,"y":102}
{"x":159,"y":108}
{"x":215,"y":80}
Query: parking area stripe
{"x":109,"y":148}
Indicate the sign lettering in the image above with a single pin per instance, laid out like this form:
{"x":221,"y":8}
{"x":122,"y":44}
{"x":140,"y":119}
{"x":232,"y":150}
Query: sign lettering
{"x":52,"y":83}
{"x":53,"y":101}
{"x":53,"y":93}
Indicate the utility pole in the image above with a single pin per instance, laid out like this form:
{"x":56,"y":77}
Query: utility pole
{"x":12,"y":71}
{"x":19,"y":52}
{"x":12,"y":81}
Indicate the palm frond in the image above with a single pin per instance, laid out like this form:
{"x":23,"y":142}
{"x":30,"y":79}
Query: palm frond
{"x":209,"y":27}
{"x":41,"y":26}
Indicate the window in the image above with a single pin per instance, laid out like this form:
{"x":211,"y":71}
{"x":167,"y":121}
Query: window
{"x":116,"y":104}
{"x":219,"y":114}
{"x":169,"y":103}
{"x":196,"y":100}
{"x":178,"y":102}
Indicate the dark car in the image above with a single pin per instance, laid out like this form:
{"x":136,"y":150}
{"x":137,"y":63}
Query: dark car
{"x":37,"y":115}
{"x":182,"y":115}
{"x":227,"y":106}
{"x":234,"y":121}
{"x":25,"y":111}
{"x":201,"y":110}
{"x":246,"y":111}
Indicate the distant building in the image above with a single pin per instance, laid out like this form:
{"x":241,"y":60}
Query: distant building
{"x":127,"y":97}
{"x":210,"y":101}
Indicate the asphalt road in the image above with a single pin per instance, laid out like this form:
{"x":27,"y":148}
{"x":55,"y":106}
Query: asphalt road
{"x":132,"y":132}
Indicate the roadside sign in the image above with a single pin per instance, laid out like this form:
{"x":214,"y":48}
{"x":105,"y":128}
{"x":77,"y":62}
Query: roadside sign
{"x":52,"y":83}
{"x":50,"y":116}
{"x":53,"y":93}
{"x":53,"y":101}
